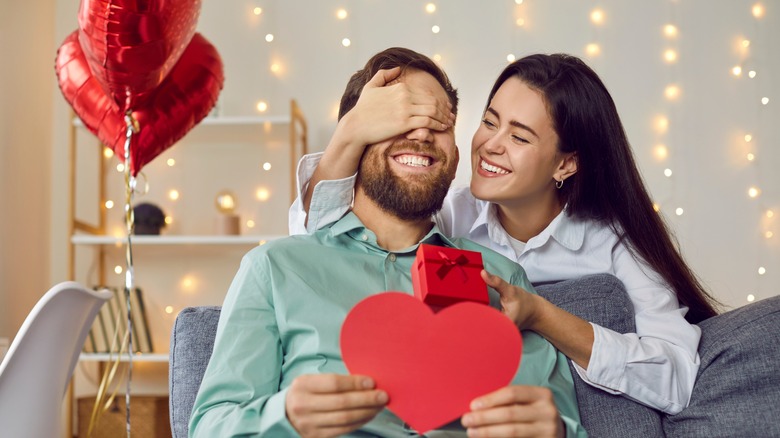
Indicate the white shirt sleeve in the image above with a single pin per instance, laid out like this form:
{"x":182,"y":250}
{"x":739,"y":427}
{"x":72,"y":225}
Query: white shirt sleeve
{"x":330,"y":198}
{"x":657,"y":365}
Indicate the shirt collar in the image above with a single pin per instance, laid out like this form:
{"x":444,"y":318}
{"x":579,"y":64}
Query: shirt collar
{"x":351,"y":225}
{"x":566,"y":230}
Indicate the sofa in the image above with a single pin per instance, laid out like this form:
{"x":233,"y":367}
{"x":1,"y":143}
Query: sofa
{"x":737,"y":393}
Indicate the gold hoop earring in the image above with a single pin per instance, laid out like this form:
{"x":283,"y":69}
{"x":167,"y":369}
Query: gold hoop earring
{"x":558,"y":184}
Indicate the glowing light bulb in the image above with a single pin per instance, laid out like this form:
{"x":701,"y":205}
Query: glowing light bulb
{"x":753,"y":192}
{"x":118,"y":269}
{"x":656,"y":207}
{"x":752,"y":74}
{"x":173,"y":195}
{"x":520,"y":22}
{"x":761,"y":270}
{"x":770,"y":214}
{"x":262,"y":106}
{"x":736,"y":70}
{"x":437,"y":57}
{"x":518,"y":2}
{"x":670,"y":30}
{"x":346,"y":42}
{"x":748,"y":138}
{"x":187,"y":283}
{"x":341,"y":14}
{"x":592,"y":49}
{"x":168,"y":220}
{"x":257,"y":11}
{"x":597,"y":16}
{"x":679,"y":211}
{"x":758,"y":10}
{"x":435,"y":29}
{"x":668,"y":173}
{"x":672,"y":92}
{"x":670,"y":56}
{"x":510,"y":58}
{"x":751,"y":156}
{"x":269,"y":37}
{"x":266,"y":166}
{"x":430,"y":8}
{"x":169,"y":309}
{"x":262,"y":194}
{"x":751,"y":298}
{"x":661,"y":124}
{"x":120,"y":167}
{"x":108,"y":153}
{"x":660,"y":152}
{"x":764,"y":100}
{"x":226,"y":202}
{"x":109,"y":204}
{"x":250,"y":223}
{"x":171,"y":162}
{"x":745,"y":43}
{"x":769,"y":234}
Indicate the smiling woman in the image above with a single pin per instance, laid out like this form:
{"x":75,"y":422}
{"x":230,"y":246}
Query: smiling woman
{"x":555,"y":188}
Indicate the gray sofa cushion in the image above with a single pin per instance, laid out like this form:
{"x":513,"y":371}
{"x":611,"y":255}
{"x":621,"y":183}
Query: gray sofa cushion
{"x":192,"y":341}
{"x":737,"y":391}
{"x":602,"y":299}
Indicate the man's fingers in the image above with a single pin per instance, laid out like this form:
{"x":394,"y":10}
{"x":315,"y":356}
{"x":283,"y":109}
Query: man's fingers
{"x":330,"y":383}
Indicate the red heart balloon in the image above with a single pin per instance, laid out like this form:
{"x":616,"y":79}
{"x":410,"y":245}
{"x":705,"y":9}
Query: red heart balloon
{"x":131,"y":45}
{"x":431,"y":365}
{"x":181,"y":100}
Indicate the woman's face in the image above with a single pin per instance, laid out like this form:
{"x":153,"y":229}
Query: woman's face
{"x":514,"y":153}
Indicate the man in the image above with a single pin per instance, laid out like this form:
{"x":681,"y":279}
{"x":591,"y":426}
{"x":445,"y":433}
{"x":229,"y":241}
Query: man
{"x":277,"y":370}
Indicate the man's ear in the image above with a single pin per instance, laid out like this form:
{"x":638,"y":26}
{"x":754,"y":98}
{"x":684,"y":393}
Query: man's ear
{"x":567,"y":167}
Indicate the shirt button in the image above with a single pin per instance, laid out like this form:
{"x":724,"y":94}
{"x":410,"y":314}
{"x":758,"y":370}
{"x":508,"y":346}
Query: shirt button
{"x":392,"y":257}
{"x":365,"y":237}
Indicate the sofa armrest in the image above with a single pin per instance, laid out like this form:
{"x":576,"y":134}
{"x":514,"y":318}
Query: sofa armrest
{"x":737,"y":391}
{"x":602,"y":299}
{"x":192,"y":341}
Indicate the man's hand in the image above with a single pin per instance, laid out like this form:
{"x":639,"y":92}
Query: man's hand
{"x":515,"y":411}
{"x":328,"y":405}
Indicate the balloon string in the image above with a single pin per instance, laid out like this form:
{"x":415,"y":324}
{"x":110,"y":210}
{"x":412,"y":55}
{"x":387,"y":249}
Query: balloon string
{"x":130,"y":183}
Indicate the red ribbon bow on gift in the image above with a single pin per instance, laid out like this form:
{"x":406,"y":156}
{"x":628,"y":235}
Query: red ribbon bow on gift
{"x":449,"y":264}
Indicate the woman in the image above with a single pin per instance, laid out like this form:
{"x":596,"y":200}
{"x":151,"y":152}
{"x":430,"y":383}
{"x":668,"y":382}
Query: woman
{"x":555,"y":187}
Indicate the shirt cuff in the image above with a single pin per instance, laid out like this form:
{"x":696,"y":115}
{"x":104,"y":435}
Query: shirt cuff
{"x":607,"y":361}
{"x":330,"y":198}
{"x":274,"y":421}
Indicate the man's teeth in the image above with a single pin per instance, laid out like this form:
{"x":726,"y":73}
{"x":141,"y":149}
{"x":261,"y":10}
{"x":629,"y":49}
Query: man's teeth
{"x":491,"y":168}
{"x":414,"y":160}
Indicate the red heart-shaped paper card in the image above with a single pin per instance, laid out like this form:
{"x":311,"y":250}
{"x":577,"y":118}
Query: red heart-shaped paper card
{"x":431,"y":365}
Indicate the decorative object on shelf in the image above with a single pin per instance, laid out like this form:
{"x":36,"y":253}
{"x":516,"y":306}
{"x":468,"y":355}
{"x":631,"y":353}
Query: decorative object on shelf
{"x":110,"y":326}
{"x":228,"y":222}
{"x":149,"y":219}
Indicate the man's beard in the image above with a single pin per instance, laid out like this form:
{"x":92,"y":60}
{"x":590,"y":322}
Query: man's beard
{"x":412,"y":197}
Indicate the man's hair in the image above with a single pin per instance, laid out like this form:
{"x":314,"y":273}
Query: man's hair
{"x":391,"y":58}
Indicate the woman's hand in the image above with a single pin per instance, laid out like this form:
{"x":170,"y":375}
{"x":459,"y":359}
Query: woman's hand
{"x":515,"y":411}
{"x":516,"y":303}
{"x":386,"y":109}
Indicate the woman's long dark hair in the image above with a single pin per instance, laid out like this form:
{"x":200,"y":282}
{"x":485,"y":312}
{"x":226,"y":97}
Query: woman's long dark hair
{"x":607,"y":186}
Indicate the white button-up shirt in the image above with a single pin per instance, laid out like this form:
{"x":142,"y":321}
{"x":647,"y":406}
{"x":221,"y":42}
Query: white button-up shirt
{"x":655,"y":366}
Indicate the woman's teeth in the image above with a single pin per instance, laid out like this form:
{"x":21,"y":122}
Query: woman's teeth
{"x":413,"y":160}
{"x":492,"y":169}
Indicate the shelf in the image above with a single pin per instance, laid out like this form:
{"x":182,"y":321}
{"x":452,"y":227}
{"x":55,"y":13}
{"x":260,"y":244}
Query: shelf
{"x":228,"y":120}
{"x":105,"y":357}
{"x":85,"y":239}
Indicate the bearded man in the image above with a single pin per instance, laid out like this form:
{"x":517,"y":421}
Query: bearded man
{"x":277,"y":369}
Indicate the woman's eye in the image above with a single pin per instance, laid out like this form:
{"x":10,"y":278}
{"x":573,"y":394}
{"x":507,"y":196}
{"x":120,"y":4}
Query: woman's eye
{"x":488,"y":123}
{"x":518,"y":139}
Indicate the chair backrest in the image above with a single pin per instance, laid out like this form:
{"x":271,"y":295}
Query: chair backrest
{"x":192,"y":340}
{"x":35,"y":373}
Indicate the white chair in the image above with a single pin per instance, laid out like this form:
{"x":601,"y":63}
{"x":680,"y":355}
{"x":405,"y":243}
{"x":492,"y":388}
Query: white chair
{"x":35,"y":373}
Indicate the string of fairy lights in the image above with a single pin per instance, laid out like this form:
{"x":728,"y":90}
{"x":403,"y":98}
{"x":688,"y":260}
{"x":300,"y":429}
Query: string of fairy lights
{"x":747,"y":67}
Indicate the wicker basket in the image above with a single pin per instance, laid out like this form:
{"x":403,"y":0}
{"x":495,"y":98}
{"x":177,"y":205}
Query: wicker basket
{"x":148,"y":418}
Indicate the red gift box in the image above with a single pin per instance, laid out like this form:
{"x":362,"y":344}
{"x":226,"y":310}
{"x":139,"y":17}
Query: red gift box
{"x":442,"y":276}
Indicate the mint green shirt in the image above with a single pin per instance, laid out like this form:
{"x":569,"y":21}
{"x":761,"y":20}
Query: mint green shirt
{"x":282,"y":317}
